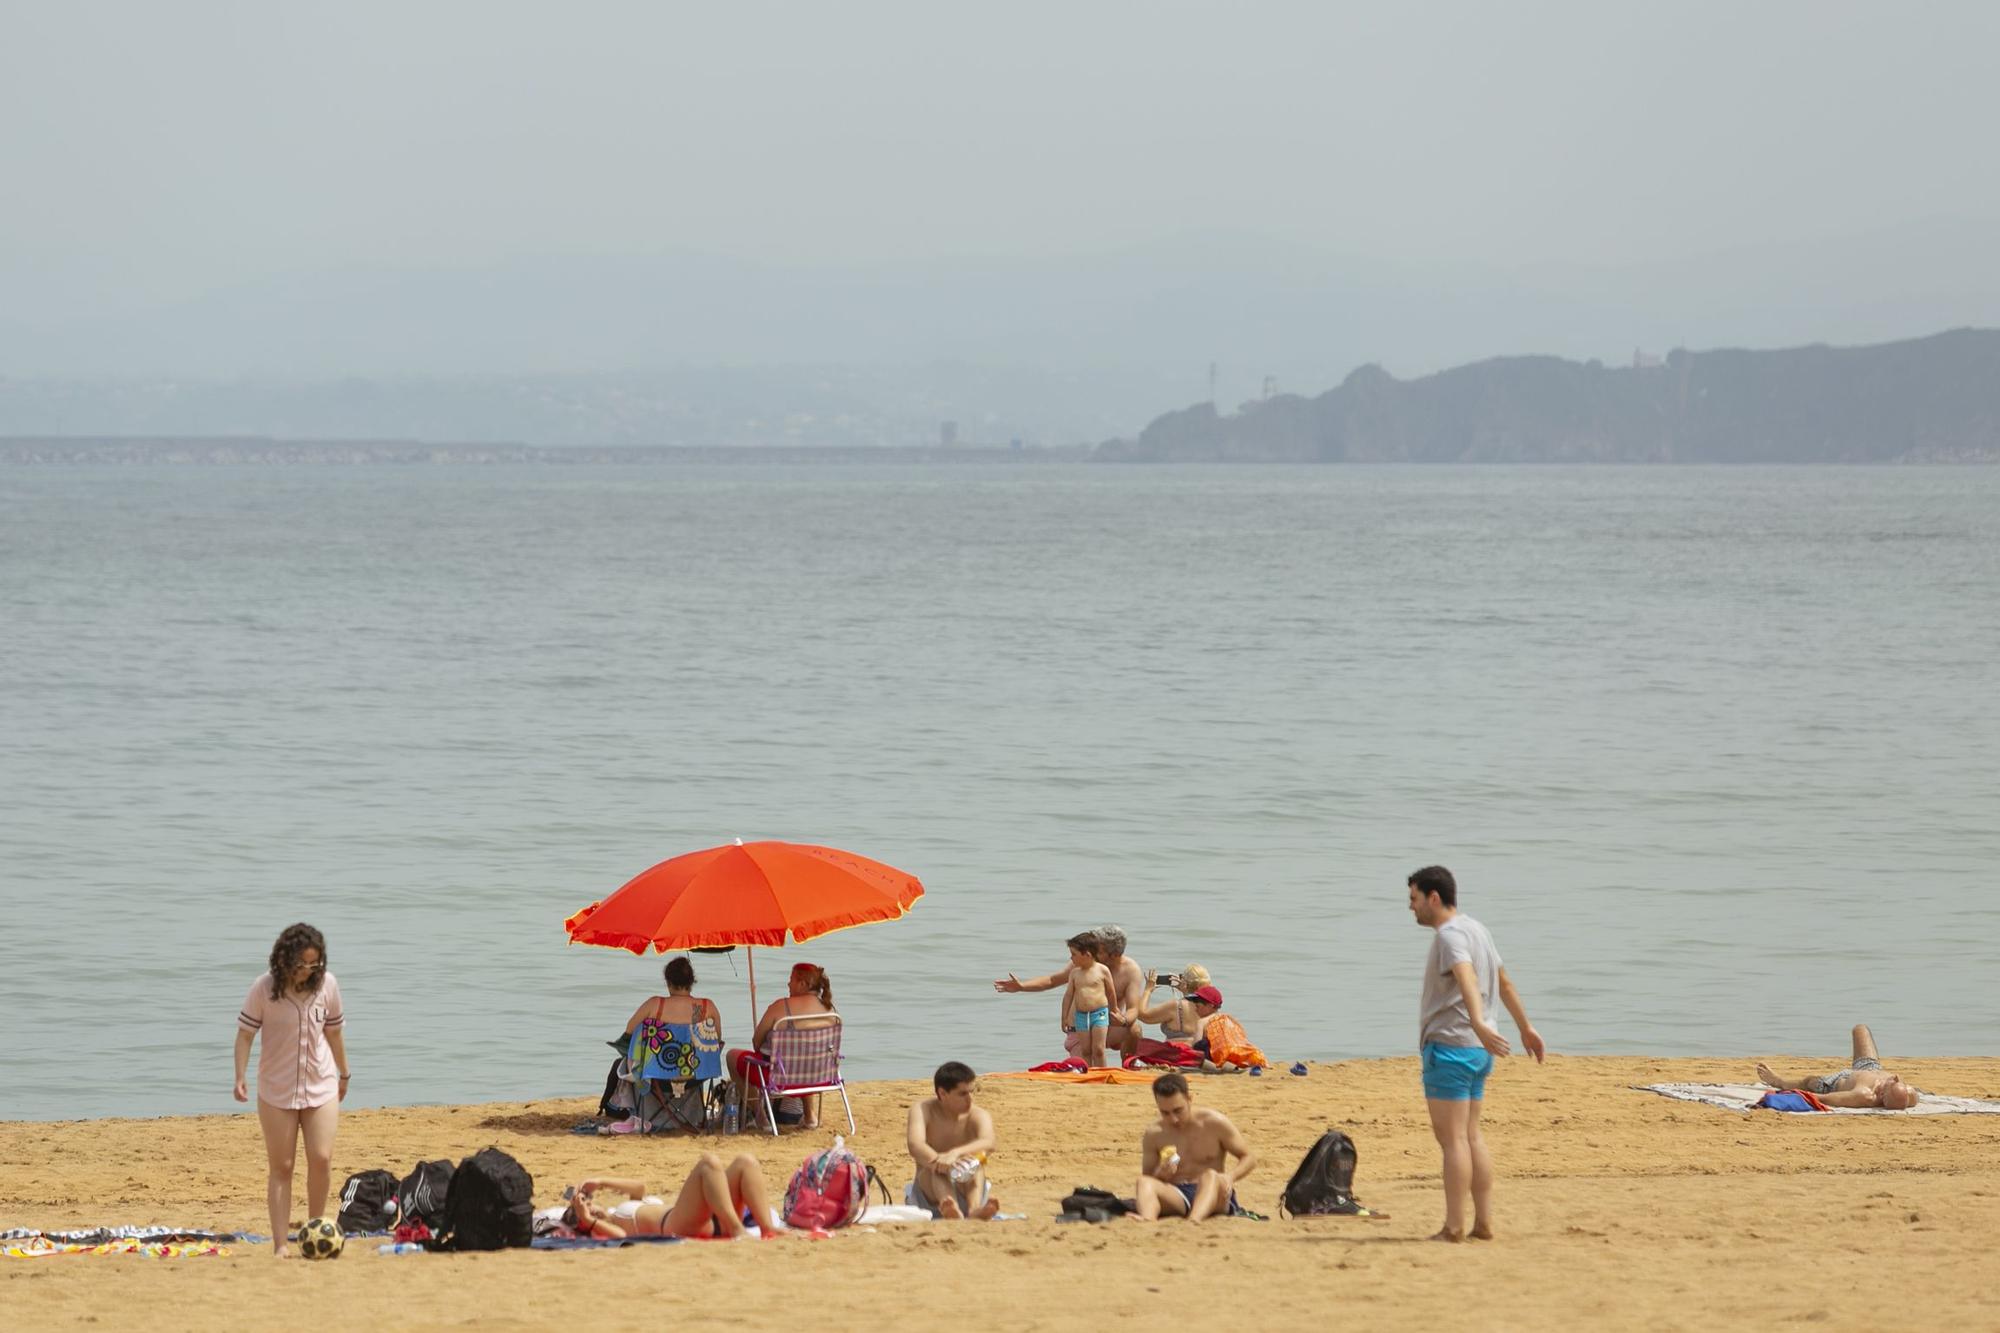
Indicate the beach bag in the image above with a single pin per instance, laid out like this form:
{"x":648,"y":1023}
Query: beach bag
{"x":368,"y":1202}
{"x":829,"y":1189}
{"x":1324,"y":1182}
{"x":490,"y":1204}
{"x":1087,"y":1203}
{"x":422,"y":1194}
{"x":611,"y":1105}
{"x":1227,"y":1044}
{"x":1790,"y":1100}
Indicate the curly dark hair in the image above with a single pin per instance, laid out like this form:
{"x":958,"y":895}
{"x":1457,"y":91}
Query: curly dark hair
{"x":293,"y":941}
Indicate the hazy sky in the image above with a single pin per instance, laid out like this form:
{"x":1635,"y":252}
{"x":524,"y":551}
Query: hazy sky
{"x":154,"y":153}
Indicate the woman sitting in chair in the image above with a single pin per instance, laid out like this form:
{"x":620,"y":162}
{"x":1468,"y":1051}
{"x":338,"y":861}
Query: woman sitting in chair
{"x":650,"y":1107}
{"x":808,"y":994}
{"x":680,"y":1004}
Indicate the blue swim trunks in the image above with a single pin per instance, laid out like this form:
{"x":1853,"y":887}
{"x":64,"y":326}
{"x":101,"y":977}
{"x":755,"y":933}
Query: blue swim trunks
{"x":1086,"y":1019}
{"x":1189,"y":1188}
{"x":1456,"y":1073}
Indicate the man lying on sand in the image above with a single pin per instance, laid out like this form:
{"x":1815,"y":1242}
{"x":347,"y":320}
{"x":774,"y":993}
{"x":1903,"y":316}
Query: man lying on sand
{"x":1184,"y":1159}
{"x":1863,"y":1083}
{"x":949,"y":1138}
{"x":715,"y":1201}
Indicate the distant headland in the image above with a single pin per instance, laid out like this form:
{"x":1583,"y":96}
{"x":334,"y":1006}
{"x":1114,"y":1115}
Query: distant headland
{"x":1927,"y":400}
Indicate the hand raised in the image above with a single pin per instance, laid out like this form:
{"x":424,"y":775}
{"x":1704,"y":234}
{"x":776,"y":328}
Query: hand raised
{"x":1009,"y":986}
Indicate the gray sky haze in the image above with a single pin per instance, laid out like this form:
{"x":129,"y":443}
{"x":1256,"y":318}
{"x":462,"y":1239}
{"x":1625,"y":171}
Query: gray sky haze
{"x":298,"y":188}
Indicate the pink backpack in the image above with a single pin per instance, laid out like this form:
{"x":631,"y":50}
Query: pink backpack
{"x":830,"y":1189}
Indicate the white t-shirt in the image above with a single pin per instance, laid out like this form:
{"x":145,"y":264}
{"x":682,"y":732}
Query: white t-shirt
{"x":1443,"y":1014}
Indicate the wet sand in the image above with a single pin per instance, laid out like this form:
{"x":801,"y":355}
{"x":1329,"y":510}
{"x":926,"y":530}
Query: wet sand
{"x":1616,"y":1209}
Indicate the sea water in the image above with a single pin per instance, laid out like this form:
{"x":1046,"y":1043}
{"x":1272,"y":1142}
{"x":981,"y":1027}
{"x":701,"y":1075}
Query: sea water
{"x":1713,"y":751}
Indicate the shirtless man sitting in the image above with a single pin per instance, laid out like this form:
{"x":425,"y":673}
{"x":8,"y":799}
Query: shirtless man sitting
{"x":947,"y":1129}
{"x":1863,"y":1083}
{"x":715,"y":1201}
{"x":1184,"y":1166}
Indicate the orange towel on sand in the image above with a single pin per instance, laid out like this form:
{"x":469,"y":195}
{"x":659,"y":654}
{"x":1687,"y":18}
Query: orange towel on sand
{"x":1088,"y":1076}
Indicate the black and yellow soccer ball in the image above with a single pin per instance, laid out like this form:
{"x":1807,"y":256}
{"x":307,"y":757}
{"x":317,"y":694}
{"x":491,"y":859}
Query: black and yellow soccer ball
{"x":321,"y":1238}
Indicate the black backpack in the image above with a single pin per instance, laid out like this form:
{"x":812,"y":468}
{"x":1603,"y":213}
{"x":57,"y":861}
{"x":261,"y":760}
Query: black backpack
{"x":1324,"y":1182}
{"x":490,"y":1204}
{"x":1087,"y":1203}
{"x":422,"y":1195}
{"x":368,"y":1202}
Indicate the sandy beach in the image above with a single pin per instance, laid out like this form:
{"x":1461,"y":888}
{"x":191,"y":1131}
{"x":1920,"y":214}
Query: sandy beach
{"x":1617,"y":1209}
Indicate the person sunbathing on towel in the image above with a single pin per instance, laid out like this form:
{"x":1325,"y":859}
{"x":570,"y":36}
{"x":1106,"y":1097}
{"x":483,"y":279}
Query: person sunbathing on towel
{"x":946,"y":1130}
{"x":715,"y":1201}
{"x":1863,"y":1083}
{"x":1184,"y":1168}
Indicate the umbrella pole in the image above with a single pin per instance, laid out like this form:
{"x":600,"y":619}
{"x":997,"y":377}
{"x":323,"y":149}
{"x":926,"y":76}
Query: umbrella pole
{"x":750,"y":952}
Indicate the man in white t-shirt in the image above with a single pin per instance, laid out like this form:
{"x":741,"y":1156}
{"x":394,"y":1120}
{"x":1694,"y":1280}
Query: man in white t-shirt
{"x":1464,"y":984}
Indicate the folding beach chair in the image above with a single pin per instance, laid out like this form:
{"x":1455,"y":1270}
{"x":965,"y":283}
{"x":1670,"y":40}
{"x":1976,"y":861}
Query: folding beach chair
{"x":673,"y":1073}
{"x":804,"y":1059}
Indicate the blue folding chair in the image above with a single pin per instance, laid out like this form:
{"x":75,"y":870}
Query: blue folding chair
{"x":674,"y":1071}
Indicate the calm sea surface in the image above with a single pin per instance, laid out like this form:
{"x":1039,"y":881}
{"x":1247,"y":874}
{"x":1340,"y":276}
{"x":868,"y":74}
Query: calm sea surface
{"x":1713,"y":751}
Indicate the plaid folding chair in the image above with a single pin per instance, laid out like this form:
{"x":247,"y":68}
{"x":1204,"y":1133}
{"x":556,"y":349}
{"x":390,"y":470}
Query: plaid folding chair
{"x":803,"y":1059}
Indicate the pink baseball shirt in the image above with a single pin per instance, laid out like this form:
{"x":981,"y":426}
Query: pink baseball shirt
{"x":295,"y":1067}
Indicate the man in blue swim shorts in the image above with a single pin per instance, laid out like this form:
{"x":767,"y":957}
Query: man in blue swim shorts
{"x":1464,"y":984}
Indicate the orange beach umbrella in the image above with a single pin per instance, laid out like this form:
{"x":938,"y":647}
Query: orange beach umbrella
{"x":745,"y":893}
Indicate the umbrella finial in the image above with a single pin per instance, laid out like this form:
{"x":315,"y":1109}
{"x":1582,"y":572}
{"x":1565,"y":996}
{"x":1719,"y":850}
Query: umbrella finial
{"x":739,"y":842}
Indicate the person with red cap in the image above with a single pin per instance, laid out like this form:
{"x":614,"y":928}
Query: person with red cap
{"x":1184,"y":1017}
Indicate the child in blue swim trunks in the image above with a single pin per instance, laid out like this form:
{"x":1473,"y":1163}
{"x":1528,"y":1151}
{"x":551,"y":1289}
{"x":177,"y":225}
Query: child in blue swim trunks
{"x":1088,"y":998}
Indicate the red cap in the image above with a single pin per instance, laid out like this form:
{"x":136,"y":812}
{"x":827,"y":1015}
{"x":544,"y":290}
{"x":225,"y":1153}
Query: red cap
{"x":1207,"y":995}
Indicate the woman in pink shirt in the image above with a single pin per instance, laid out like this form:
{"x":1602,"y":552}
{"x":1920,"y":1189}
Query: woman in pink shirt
{"x":301,"y":1072}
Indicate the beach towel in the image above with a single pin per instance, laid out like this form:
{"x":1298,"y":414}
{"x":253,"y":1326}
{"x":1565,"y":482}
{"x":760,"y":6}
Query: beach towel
{"x":1086,"y":1075}
{"x":152,"y":1242}
{"x":1745,"y":1097}
{"x":575,"y":1242}
{"x":1168,"y":1054}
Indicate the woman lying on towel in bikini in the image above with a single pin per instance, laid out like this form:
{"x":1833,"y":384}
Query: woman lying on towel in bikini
{"x":715,"y":1201}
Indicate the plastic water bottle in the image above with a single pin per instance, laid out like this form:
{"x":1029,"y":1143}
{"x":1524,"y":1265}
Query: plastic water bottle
{"x":401,"y":1247}
{"x":965,"y":1168}
{"x":731,"y":1119}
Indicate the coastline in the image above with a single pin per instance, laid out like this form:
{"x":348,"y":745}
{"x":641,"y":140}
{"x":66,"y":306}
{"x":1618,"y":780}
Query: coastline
{"x":1623,"y":1208}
